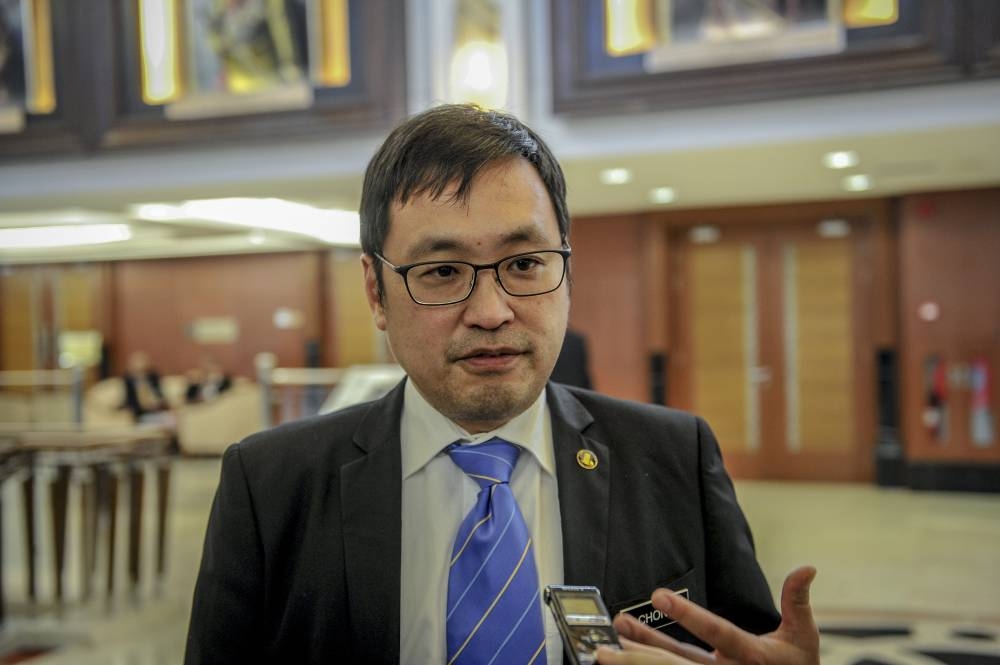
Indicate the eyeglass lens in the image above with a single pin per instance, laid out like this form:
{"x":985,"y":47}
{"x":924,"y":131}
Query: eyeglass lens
{"x":452,"y":281}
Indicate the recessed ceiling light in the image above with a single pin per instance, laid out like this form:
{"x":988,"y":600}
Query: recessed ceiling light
{"x":840,"y":159}
{"x":662,"y":195}
{"x":36,"y":237}
{"x":616,"y":176}
{"x":856,"y":183}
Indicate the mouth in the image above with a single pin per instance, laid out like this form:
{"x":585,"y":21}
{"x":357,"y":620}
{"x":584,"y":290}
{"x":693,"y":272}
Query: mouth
{"x":490,"y":359}
{"x":491,"y":352}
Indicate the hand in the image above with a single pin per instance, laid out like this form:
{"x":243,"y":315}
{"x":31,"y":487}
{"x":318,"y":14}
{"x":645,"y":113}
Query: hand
{"x":795,"y":642}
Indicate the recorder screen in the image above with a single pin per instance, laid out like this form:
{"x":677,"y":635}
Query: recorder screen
{"x":580,"y":605}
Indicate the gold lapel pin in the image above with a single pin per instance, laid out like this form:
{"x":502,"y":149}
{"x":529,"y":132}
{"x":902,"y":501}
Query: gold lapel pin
{"x":586,"y":459}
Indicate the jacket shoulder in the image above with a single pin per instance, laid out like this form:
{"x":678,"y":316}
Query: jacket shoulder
{"x":304,"y":444}
{"x":616,"y":411}
{"x":649,"y":432}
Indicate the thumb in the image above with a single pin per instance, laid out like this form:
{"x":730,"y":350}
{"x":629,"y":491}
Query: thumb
{"x":796,"y":612}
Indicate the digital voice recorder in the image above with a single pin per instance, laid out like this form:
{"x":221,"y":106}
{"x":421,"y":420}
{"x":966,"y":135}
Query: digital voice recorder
{"x":583,"y":621}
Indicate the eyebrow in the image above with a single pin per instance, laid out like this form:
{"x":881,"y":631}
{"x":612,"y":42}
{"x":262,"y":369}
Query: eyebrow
{"x":528,"y":233}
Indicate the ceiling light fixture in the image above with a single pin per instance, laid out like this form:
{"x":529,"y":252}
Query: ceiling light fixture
{"x":479,"y":74}
{"x":336,"y":227}
{"x":662,"y":195}
{"x":616,"y":176}
{"x":38,"y":237}
{"x":479,"y":63}
{"x":841,"y":159}
{"x":59,"y":217}
{"x":856,"y":183}
{"x":157,"y":212}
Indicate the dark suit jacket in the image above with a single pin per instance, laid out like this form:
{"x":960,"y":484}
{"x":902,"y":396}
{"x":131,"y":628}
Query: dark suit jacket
{"x":132,"y":393}
{"x":193,"y":392}
{"x":302,"y":554}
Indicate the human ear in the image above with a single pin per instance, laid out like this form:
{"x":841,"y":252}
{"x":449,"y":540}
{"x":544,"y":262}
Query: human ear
{"x":372,"y":292}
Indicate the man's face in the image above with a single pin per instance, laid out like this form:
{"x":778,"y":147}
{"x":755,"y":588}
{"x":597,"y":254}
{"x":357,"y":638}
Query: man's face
{"x":484,"y":360}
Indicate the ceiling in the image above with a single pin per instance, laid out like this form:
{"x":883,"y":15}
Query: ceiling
{"x":781,"y":172}
{"x":919,"y":140}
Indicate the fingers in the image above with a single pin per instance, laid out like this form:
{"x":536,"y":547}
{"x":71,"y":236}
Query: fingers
{"x":638,"y":654}
{"x":690,"y":652}
{"x":797,"y":623}
{"x":795,"y":591}
{"x":632,"y":629}
{"x":797,"y":634}
{"x":709,"y":628}
{"x":638,"y":647}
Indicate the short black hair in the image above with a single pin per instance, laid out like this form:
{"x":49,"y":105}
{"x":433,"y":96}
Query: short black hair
{"x":444,"y":145}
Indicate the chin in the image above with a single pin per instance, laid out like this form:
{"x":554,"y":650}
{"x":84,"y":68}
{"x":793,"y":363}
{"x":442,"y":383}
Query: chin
{"x":496,"y":402}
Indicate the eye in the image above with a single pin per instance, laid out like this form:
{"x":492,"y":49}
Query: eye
{"x":438,"y":271}
{"x":525,"y":264}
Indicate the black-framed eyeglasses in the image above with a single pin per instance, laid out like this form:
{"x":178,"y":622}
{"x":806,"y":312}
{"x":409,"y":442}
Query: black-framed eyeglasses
{"x":450,"y":282}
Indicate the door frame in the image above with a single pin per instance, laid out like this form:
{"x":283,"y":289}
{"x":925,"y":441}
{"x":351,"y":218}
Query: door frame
{"x":868,"y":220}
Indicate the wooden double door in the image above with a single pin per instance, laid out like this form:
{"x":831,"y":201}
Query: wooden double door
{"x":771,"y":344}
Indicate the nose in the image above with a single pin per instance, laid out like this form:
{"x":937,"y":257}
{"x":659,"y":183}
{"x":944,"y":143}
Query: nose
{"x":488,"y":306}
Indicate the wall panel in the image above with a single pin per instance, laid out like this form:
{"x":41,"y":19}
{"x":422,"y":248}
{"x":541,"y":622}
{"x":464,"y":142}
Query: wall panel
{"x":156,"y":303}
{"x":949,"y":253}
{"x":354,"y":337}
{"x":18,"y":319}
{"x":607,"y":302}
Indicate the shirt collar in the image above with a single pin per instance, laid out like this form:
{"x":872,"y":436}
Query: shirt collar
{"x":425,"y":431}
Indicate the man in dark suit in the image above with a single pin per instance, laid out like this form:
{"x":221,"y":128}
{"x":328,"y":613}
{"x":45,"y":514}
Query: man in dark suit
{"x":143,"y":395}
{"x":335,"y":539}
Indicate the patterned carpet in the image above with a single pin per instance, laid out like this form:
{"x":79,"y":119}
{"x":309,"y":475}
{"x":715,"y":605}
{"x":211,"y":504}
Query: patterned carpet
{"x":916,"y":642}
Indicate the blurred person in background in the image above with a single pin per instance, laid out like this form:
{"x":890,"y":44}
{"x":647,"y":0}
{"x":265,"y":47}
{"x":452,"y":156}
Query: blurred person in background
{"x":143,"y":396}
{"x":206,"y":382}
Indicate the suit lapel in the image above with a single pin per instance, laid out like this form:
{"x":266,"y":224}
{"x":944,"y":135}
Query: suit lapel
{"x":371,"y":497}
{"x":584,"y":494}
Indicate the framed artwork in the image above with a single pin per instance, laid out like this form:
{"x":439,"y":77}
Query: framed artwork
{"x":220,"y":58}
{"x":711,"y":33}
{"x":11,"y":67}
{"x":168,"y":72}
{"x":280,"y":67}
{"x":247,"y":56}
{"x":27,"y":85}
{"x":638,"y":55}
{"x":37,"y":77}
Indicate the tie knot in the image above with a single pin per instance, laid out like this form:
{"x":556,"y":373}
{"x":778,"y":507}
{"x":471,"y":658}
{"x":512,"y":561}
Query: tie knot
{"x":488,"y":463}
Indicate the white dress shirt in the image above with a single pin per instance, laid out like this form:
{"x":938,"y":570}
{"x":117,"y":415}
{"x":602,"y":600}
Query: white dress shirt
{"x":436,"y":497}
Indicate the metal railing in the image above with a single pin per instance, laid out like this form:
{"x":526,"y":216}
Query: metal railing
{"x":289,"y":393}
{"x":35,"y":381}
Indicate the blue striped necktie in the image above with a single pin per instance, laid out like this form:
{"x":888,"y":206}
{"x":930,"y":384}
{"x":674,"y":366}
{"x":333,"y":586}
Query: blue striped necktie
{"x":494,"y":614}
